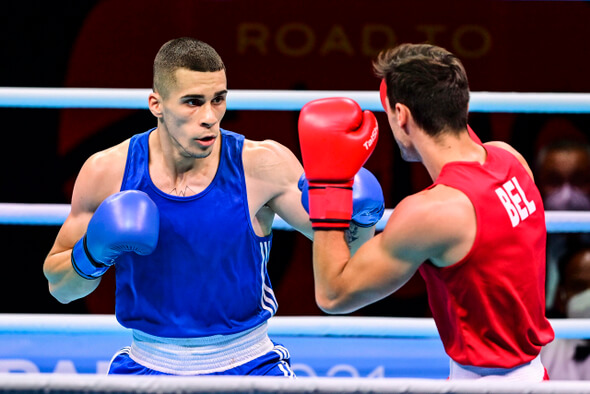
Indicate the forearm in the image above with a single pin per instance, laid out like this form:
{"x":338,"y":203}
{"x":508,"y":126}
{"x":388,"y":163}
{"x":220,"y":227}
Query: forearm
{"x":64,"y":283}
{"x":330,"y":256}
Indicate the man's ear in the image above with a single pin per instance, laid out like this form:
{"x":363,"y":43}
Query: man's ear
{"x":403,"y":115}
{"x":155,"y":104}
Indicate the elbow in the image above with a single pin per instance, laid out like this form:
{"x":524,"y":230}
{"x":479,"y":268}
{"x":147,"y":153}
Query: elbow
{"x":60,"y":296}
{"x":56,"y":290}
{"x":60,"y":284}
{"x":333,"y":305}
{"x":67,"y":290}
{"x":66,"y":293}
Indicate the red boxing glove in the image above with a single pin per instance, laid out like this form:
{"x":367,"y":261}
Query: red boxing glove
{"x":336,"y":139}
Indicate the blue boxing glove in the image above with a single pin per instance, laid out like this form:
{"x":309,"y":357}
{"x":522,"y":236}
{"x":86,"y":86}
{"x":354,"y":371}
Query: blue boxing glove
{"x":127,"y":221}
{"x":368,"y":203}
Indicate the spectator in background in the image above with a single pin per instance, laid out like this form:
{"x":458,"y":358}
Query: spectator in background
{"x":563,"y":177}
{"x":569,"y":359}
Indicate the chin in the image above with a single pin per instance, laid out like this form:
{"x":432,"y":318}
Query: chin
{"x":202,"y":154}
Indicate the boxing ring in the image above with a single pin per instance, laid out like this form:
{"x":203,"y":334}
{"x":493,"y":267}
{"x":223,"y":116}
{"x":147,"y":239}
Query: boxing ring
{"x":330,"y":354}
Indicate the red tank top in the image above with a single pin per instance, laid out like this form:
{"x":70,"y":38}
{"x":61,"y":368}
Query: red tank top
{"x":489,"y":307}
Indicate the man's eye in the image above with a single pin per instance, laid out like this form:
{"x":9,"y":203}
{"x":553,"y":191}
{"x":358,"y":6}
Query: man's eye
{"x":195,"y":102}
{"x":219,"y":99}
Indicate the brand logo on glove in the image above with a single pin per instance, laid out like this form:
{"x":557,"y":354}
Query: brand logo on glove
{"x":368,"y":143}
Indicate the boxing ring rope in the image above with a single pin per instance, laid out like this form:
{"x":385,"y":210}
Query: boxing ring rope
{"x":284,"y":100}
{"x":324,"y":326}
{"x":46,"y":384}
{"x":55,"y":214}
{"x":292,"y":326}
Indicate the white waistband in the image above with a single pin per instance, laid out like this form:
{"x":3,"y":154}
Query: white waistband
{"x":196,"y":356}
{"x":531,"y":371}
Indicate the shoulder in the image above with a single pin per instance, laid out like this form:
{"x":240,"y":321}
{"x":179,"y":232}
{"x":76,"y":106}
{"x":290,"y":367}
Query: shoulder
{"x":514,"y":152}
{"x":268,"y":158}
{"x":100,"y":176}
{"x":430,"y":206}
{"x":108,"y":161}
{"x":432,"y":221}
{"x":503,"y":145}
{"x":260,"y":152}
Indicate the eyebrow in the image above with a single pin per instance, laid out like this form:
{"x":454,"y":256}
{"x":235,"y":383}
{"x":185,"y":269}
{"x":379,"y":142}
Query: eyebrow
{"x":201,"y":96}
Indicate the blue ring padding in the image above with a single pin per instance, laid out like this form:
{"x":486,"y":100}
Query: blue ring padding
{"x":295,"y":326}
{"x":285,"y":100}
{"x":55,"y":215}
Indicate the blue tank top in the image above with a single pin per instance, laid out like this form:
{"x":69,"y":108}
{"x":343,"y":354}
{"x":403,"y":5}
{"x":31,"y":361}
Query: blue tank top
{"x":208,"y":273}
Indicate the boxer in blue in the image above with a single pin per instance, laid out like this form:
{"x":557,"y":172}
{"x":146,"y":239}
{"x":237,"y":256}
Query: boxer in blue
{"x":184,"y":212}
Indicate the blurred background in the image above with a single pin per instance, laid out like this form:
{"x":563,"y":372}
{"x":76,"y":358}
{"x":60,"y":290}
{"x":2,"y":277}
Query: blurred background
{"x":520,"y":46}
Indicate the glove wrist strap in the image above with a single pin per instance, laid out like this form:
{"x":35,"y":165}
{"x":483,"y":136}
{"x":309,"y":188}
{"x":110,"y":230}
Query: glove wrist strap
{"x":83,"y":263}
{"x":330,"y":205}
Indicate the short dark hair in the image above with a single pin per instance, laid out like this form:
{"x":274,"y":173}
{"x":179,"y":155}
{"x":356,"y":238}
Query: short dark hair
{"x":430,"y":81}
{"x":184,"y":52}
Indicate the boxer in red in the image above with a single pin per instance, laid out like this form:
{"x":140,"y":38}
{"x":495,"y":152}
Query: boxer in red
{"x":476,"y":235}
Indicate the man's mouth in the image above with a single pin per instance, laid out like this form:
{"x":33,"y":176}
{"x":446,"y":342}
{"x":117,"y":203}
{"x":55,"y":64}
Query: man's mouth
{"x":206,"y":141}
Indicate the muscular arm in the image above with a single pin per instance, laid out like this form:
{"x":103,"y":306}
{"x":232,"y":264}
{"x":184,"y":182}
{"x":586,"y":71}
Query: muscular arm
{"x":272,"y":172}
{"x":272,"y":175}
{"x":421,"y":227}
{"x":100,"y":177}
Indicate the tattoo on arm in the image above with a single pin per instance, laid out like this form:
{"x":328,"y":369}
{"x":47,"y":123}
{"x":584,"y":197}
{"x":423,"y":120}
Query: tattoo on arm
{"x":351,"y":234}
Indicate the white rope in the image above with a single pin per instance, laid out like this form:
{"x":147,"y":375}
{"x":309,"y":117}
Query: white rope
{"x":53,"y":383}
{"x":285,"y":100}
{"x":57,"y":383}
{"x":286,"y":326}
{"x":33,"y":214}
{"x":55,"y":214}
